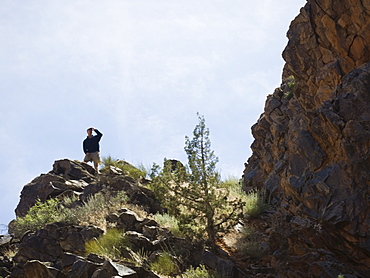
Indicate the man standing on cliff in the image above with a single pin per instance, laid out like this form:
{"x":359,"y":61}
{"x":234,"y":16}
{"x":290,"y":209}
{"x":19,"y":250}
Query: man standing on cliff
{"x":91,"y":147}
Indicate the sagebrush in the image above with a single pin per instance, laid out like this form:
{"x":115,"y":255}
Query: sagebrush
{"x":127,"y":168}
{"x":93,"y":211}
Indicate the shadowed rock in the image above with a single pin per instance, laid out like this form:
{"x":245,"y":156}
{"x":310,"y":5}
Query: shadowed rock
{"x":312,"y":152}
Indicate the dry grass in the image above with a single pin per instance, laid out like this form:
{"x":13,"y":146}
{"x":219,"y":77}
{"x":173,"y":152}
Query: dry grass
{"x":10,"y":252}
{"x":95,"y":210}
{"x":245,"y":243}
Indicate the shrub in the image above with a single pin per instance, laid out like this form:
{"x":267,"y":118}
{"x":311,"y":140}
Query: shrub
{"x":290,"y":82}
{"x":231,"y":182}
{"x":165,"y":264}
{"x":170,"y":222}
{"x":144,"y":170}
{"x":127,"y":168}
{"x":254,"y":200}
{"x":250,"y":243}
{"x":199,"y":272}
{"x":111,"y":245}
{"x":38,"y":216}
{"x":97,"y":207}
{"x":93,"y":211}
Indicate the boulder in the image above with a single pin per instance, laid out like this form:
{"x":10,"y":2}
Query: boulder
{"x":128,"y":220}
{"x":116,"y":269}
{"x":67,"y":176}
{"x":74,"y":170}
{"x":56,"y":244}
{"x":139,"y":242}
{"x":44,"y":187}
{"x":37,"y":269}
{"x":82,"y":269}
{"x":224,"y":267}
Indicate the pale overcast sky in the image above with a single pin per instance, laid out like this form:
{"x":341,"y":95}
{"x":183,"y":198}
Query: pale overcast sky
{"x":139,"y":71}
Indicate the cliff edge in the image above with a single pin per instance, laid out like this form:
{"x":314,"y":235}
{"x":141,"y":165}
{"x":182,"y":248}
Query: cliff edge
{"x":312,"y":144}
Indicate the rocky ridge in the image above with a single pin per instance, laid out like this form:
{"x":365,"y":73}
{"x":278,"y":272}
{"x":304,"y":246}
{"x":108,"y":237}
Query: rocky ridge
{"x":311,"y":151}
{"x":58,"y":249}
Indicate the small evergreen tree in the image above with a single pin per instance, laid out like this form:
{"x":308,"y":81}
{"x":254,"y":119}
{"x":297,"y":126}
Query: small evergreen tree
{"x":195,"y":194}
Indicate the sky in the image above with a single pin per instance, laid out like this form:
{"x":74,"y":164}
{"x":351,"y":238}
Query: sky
{"x":139,"y":71}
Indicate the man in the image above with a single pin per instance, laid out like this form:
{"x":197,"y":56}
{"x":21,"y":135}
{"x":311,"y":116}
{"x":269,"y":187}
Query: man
{"x":91,"y":147}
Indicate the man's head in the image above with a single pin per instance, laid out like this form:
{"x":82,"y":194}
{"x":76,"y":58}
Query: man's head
{"x":89,"y":131}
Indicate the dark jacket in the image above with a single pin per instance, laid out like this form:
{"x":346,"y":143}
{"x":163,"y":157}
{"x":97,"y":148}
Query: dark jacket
{"x":91,"y":145}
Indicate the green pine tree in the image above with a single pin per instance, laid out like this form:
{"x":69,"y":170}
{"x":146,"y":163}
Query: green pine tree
{"x":194,"y":194}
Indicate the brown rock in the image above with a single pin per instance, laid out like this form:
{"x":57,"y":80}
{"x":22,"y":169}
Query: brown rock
{"x":37,"y":269}
{"x":118,"y":270}
{"x":74,"y":170}
{"x":66,"y":176}
{"x":82,"y":269}
{"x":313,"y":155}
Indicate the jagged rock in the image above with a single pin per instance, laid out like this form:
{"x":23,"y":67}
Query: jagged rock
{"x":90,"y":190}
{"x":68,"y":259}
{"x":139,"y":242}
{"x":73,"y":178}
{"x":312,"y":181}
{"x":95,"y":258}
{"x":224,"y":267}
{"x":326,"y":41}
{"x":128,"y":220}
{"x":142,"y":272}
{"x":82,"y":269}
{"x":38,"y":246}
{"x":43,"y":187}
{"x":67,"y":177}
{"x":74,"y":170}
{"x":151,"y":232}
{"x":5,"y":260}
{"x":5,"y":241}
{"x":111,"y":170}
{"x":311,"y":152}
{"x":37,"y":269}
{"x":52,"y":246}
{"x":102,"y":273}
{"x":110,"y":269}
{"x":173,"y":164}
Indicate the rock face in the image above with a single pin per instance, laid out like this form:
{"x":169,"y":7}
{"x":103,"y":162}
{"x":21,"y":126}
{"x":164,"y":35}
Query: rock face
{"x":312,"y":151}
{"x":326,"y":41}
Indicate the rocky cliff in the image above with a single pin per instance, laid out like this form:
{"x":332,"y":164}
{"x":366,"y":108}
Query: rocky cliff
{"x":312,"y":145}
